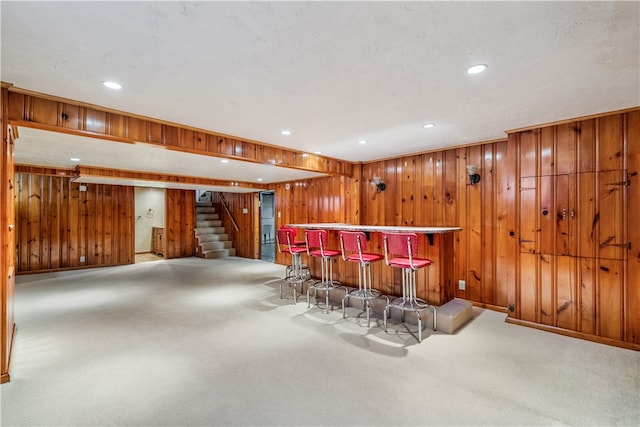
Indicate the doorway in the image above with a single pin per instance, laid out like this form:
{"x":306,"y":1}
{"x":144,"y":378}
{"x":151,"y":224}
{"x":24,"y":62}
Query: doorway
{"x":149,"y":224}
{"x":267,"y":227}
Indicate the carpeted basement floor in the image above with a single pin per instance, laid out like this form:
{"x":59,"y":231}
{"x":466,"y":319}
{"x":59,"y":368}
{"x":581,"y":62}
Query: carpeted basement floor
{"x":209,"y":342}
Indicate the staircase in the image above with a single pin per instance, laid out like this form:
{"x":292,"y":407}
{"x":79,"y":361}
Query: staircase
{"x":212,"y":239}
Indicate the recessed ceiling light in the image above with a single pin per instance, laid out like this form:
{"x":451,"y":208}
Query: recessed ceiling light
{"x":428,"y":125}
{"x":224,"y":161}
{"x":74,"y":159}
{"x":112,"y":85}
{"x":478,"y":68}
{"x":363,"y":141}
{"x":259,"y":179}
{"x":286,"y":132}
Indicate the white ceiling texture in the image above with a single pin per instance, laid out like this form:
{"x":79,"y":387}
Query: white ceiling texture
{"x":334,"y":73}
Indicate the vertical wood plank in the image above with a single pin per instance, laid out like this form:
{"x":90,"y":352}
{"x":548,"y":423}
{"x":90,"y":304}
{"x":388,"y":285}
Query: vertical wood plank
{"x":529,"y":272}
{"x":565,"y":303}
{"x":633,"y":213}
{"x":488,"y":255}
{"x":474,"y":201}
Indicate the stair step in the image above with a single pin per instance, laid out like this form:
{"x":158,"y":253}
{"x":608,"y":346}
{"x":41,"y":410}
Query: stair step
{"x":213,"y":223}
{"x":452,"y":315}
{"x":204,"y":238}
{"x":209,"y":230}
{"x":213,"y":241}
{"x":207,"y":210}
{"x":213,"y":245}
{"x":206,"y":216}
{"x":218,"y":253}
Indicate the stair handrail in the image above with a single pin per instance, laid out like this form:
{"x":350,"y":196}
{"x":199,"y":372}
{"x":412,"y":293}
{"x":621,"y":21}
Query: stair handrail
{"x":220,"y":197}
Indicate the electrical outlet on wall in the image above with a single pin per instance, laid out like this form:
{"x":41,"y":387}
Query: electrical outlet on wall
{"x":82,"y":259}
{"x":462,"y":285}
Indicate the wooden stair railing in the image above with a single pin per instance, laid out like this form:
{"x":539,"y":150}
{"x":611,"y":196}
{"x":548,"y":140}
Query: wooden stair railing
{"x":221,"y":199}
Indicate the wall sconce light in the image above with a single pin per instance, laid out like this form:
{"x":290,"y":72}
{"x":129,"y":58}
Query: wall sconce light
{"x":381,"y":186}
{"x":474,"y":178}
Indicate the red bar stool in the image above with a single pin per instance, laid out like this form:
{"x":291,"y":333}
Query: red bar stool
{"x":316,"y":240}
{"x":353,"y":245}
{"x":294,"y":275}
{"x":301,"y":243}
{"x":398,"y":252}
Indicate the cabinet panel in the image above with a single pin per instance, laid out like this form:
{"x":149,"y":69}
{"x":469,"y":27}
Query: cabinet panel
{"x":529,"y":286}
{"x":545,"y":215}
{"x":528,"y":215}
{"x":157,"y":240}
{"x":566,"y":291}
{"x":612,"y":241}
{"x":547,"y":292}
{"x":610,"y":298}
{"x":563,"y":215}
{"x":587,"y":278}
{"x":587,"y":216}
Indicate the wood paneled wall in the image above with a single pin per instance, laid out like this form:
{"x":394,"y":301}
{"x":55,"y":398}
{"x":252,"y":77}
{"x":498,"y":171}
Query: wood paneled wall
{"x":58,"y":222}
{"x":548,"y":234}
{"x":7,"y":241}
{"x":180,"y":221}
{"x":577,"y":260}
{"x":246,"y":240}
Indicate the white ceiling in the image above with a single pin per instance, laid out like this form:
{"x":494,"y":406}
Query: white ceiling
{"x":332,"y":72}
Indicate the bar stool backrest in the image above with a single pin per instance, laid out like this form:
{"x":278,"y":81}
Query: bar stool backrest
{"x":353,"y":242}
{"x":403,"y":245}
{"x":294,"y":230}
{"x":316,"y":239}
{"x":284,"y":239}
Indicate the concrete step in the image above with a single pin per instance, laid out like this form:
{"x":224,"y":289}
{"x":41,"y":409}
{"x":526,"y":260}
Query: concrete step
{"x":211,"y":224}
{"x":203,"y":238}
{"x":452,"y":315}
{"x":209,"y":230}
{"x":207,"y":216}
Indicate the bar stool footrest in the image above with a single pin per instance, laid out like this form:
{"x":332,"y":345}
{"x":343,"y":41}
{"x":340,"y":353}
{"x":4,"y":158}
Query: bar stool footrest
{"x":365,"y":295}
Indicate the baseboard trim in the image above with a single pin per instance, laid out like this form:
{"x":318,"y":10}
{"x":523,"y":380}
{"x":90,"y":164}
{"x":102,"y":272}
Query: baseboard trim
{"x":492,"y":307}
{"x":574,"y":334}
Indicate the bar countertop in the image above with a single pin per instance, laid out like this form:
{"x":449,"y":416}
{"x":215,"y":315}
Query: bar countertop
{"x":376,"y":228}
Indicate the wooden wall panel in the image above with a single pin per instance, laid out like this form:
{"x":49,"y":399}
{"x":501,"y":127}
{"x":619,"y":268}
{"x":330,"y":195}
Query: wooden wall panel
{"x":246,"y":240}
{"x":580,"y":254}
{"x":632,"y":303}
{"x":7,"y":239}
{"x":180,"y":221}
{"x":551,"y":269}
{"x":59,"y":222}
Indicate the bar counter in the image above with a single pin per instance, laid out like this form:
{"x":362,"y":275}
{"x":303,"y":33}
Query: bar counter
{"x":436,"y":283}
{"x":376,"y":228}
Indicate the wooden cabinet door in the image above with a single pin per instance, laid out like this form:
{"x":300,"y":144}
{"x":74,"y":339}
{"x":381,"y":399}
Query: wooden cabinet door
{"x":612,"y":189}
{"x":545,"y":215}
{"x":528,"y":215}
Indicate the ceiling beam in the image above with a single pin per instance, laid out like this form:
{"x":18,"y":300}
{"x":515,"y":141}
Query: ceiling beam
{"x":35,"y":110}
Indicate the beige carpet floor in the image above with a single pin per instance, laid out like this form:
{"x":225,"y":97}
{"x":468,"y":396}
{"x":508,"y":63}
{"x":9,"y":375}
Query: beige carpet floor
{"x":209,"y":342}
